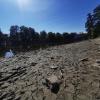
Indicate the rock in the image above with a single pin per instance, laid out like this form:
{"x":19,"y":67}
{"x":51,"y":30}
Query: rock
{"x":52,"y":79}
{"x":53,"y":83}
{"x":33,"y":64}
{"x":98,"y":61}
{"x":53,"y":67}
{"x":99,"y":52}
{"x":5,"y":85}
{"x":52,"y":58}
{"x":95,"y":64}
{"x":44,"y":82}
{"x":17,"y":98}
{"x":84,"y":59}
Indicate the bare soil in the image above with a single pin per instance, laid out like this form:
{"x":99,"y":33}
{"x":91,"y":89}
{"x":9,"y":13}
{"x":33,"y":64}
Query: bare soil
{"x":76,"y":65}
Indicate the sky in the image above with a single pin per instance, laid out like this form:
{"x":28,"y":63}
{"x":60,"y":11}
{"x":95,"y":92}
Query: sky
{"x":48,"y":15}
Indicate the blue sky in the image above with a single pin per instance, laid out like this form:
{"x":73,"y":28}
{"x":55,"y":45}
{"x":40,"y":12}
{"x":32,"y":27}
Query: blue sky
{"x":49,"y":15}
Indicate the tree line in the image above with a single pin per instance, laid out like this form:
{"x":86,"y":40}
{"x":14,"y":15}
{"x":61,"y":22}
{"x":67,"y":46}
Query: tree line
{"x":22,"y":38}
{"x":26,"y":38}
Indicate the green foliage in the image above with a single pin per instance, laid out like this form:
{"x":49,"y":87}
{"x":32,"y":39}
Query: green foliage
{"x":59,"y":38}
{"x":96,"y":17}
{"x":93,"y":23}
{"x":26,"y":38}
{"x":89,"y":25}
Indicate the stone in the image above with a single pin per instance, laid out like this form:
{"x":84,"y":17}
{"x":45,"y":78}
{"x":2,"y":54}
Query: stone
{"x":96,"y":65}
{"x":53,"y":67}
{"x":33,"y":64}
{"x":52,"y":79}
{"x":98,"y":61}
{"x":53,"y":83}
{"x":84,"y":59}
{"x":52,"y":58}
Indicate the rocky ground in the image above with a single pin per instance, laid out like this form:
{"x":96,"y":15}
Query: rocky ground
{"x":66,"y":72}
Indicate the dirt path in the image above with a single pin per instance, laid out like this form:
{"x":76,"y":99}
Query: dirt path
{"x":76,"y":65}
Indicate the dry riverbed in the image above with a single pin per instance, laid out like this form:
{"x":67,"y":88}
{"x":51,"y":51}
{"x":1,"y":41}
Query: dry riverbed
{"x":74,"y":67}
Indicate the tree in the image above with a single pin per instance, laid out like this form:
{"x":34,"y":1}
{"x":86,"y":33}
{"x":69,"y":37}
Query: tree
{"x":59,"y":38}
{"x":93,"y":23}
{"x":31,"y":35}
{"x":1,"y":38}
{"x":90,"y":26}
{"x":43,"y":38}
{"x":81,"y":36}
{"x":25,"y":37}
{"x":51,"y":38}
{"x":3,"y":42}
{"x":37,"y":38}
{"x":66,"y":37}
{"x":96,"y":18}
{"x":96,"y":14}
{"x":14,"y":36}
{"x":73,"y":37}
